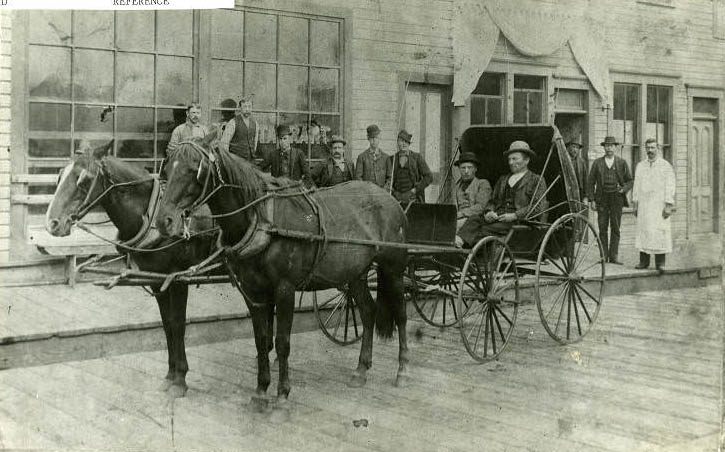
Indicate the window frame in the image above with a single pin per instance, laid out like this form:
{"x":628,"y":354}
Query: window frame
{"x":507,"y":72}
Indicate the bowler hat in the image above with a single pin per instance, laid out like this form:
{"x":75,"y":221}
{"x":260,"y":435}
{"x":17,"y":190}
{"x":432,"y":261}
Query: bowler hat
{"x":373,"y":130}
{"x":283,"y":130}
{"x":520,"y":146}
{"x":575,"y":143}
{"x":405,"y":136}
{"x":469,"y":157}
{"x":609,"y":140}
{"x":337,"y":139}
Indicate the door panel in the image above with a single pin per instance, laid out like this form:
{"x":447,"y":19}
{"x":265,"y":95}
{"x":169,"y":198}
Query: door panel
{"x":701,"y":176}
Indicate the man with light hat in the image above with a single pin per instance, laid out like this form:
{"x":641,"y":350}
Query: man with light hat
{"x":471,"y":193}
{"x":517,"y":196}
{"x":409,"y":174}
{"x":608,"y":183}
{"x":373,"y":165}
{"x":336,"y":169}
{"x":286,"y":161}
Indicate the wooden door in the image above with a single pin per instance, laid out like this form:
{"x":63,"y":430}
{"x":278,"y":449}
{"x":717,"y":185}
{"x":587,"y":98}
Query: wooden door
{"x":427,"y":117}
{"x":702,"y":171}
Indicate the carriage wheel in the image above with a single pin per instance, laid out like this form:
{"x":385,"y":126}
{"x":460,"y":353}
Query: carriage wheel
{"x":338,"y":314}
{"x":569,"y":291}
{"x":433,"y":291}
{"x":488,"y":299}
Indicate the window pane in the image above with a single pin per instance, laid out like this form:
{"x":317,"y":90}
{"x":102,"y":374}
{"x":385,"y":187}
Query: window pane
{"x":227,"y":31}
{"x":49,"y":117}
{"x":478,"y":110}
{"x":536,"y":108}
{"x":134,"y":78}
{"x":490,"y":84}
{"x":56,"y":148}
{"x":632,"y":107}
{"x":260,"y":38}
{"x":651,"y":104}
{"x":49,"y":72}
{"x":293,"y":39}
{"x":176,"y":30}
{"x":494,"y":111}
{"x":174,"y":80}
{"x":266,"y":123}
{"x":226,"y":81}
{"x":322,"y":127}
{"x":663,"y":104}
{"x":704,"y":106}
{"x":325,"y":42}
{"x":619,"y":101}
{"x":167,"y":120}
{"x":528,"y":82}
{"x":88,"y":119}
{"x":93,"y":29}
{"x":570,"y":98}
{"x":324,"y":89}
{"x":259,"y":80}
{"x":135,"y":132}
{"x":50,"y":26}
{"x":93,"y":75}
{"x":520,"y":107}
{"x":292,"y":87}
{"x":135,"y":30}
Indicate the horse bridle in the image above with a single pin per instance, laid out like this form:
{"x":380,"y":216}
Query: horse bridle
{"x":210,"y":158}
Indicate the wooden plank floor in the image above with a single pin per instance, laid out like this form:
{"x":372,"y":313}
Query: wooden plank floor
{"x":647,"y":379}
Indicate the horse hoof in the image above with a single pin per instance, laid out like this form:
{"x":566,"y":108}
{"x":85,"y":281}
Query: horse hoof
{"x":176,"y":391}
{"x":260,"y":403}
{"x":357,"y":381}
{"x":402,"y":381}
{"x":165,"y":385}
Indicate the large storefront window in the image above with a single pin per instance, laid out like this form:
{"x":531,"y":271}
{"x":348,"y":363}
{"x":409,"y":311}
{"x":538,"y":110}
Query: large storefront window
{"x":508,"y":99}
{"x":290,"y":64}
{"x":80,"y":63}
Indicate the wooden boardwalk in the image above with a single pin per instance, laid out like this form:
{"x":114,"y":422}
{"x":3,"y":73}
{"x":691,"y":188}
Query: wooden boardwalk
{"x":647,"y":379}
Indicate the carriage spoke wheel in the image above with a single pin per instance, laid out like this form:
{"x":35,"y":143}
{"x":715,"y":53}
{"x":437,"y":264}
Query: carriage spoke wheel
{"x":488,"y":299}
{"x":337,"y":313}
{"x":433,"y":291}
{"x":569,"y":292}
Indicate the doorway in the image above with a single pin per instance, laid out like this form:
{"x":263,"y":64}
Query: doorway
{"x":703,"y":160}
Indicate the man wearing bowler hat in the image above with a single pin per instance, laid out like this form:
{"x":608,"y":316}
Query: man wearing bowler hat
{"x":608,"y":183}
{"x":517,"y":196}
{"x":286,"y":161}
{"x":336,"y":169}
{"x":409,"y":174}
{"x":373,"y":165}
{"x":471,"y":193}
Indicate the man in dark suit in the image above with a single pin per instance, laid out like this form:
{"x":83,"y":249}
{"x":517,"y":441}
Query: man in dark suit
{"x":409,"y":174}
{"x":373,"y":165}
{"x":286,"y":161}
{"x":517,"y":196}
{"x":608,"y":183}
{"x":581,"y":168}
{"x":336,"y":169}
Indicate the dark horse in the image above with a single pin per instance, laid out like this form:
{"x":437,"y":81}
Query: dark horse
{"x":83,"y":181}
{"x":284,"y":263}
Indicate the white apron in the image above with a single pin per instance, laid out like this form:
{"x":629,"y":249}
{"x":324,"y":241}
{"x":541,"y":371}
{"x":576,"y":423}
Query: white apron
{"x":654,"y":186}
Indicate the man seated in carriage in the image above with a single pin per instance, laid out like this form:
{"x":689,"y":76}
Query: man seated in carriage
{"x":471,"y":193}
{"x":517,"y":196}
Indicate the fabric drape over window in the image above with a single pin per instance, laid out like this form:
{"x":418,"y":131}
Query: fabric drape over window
{"x":533,"y":30}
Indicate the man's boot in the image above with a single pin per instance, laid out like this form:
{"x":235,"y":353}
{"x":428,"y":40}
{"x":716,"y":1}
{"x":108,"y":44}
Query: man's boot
{"x":643,"y":261}
{"x":660,"y":263}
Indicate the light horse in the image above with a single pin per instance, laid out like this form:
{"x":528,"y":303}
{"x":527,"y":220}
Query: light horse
{"x":285,"y":262}
{"x":124,"y":191}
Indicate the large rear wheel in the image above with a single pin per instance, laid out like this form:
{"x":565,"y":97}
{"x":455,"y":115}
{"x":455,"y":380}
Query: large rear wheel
{"x":488,"y":299}
{"x":570,"y":290}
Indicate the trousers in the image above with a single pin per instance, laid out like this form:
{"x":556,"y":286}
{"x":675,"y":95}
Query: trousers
{"x":609,"y":210}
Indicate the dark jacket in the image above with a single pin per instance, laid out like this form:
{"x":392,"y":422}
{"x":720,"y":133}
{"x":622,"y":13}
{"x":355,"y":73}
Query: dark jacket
{"x":419,"y":170}
{"x":581,"y":170}
{"x":595,"y":182}
{"x":526,"y":189}
{"x":371,"y":170}
{"x":322,"y":173}
{"x":298,"y":166}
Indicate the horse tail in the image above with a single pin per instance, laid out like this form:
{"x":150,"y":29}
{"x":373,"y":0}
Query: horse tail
{"x":385,"y":308}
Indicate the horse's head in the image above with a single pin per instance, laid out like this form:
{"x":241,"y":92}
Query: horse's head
{"x":77,"y":188}
{"x":189,"y":171}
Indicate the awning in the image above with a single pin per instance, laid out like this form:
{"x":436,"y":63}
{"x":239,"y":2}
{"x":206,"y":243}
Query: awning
{"x":533,"y":29}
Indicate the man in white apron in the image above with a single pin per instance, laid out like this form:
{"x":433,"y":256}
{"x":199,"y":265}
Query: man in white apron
{"x":653,"y":198}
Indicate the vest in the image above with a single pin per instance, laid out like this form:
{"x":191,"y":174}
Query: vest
{"x":509,"y":199}
{"x":242,"y":143}
{"x":337,"y":176}
{"x":610,"y":180}
{"x":403,"y":182}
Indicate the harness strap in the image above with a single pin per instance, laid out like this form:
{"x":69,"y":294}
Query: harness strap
{"x":143,"y":235}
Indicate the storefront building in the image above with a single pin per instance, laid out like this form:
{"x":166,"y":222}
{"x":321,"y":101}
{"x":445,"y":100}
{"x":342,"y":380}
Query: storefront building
{"x":629,"y":68}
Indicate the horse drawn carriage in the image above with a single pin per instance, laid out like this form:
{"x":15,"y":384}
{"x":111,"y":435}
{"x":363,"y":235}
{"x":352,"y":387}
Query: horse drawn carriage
{"x":556,"y":255}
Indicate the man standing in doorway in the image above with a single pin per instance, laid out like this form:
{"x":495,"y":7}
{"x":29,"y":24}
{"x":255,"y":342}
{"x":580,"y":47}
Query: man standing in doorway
{"x":192,"y":128}
{"x":373,"y":164}
{"x":240,"y":133}
{"x":409,"y":174}
{"x":581,"y":168}
{"x":653,"y":198}
{"x":607,"y":187}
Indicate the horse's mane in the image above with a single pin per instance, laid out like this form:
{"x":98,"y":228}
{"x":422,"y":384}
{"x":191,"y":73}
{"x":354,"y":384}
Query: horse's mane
{"x":116,"y":169}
